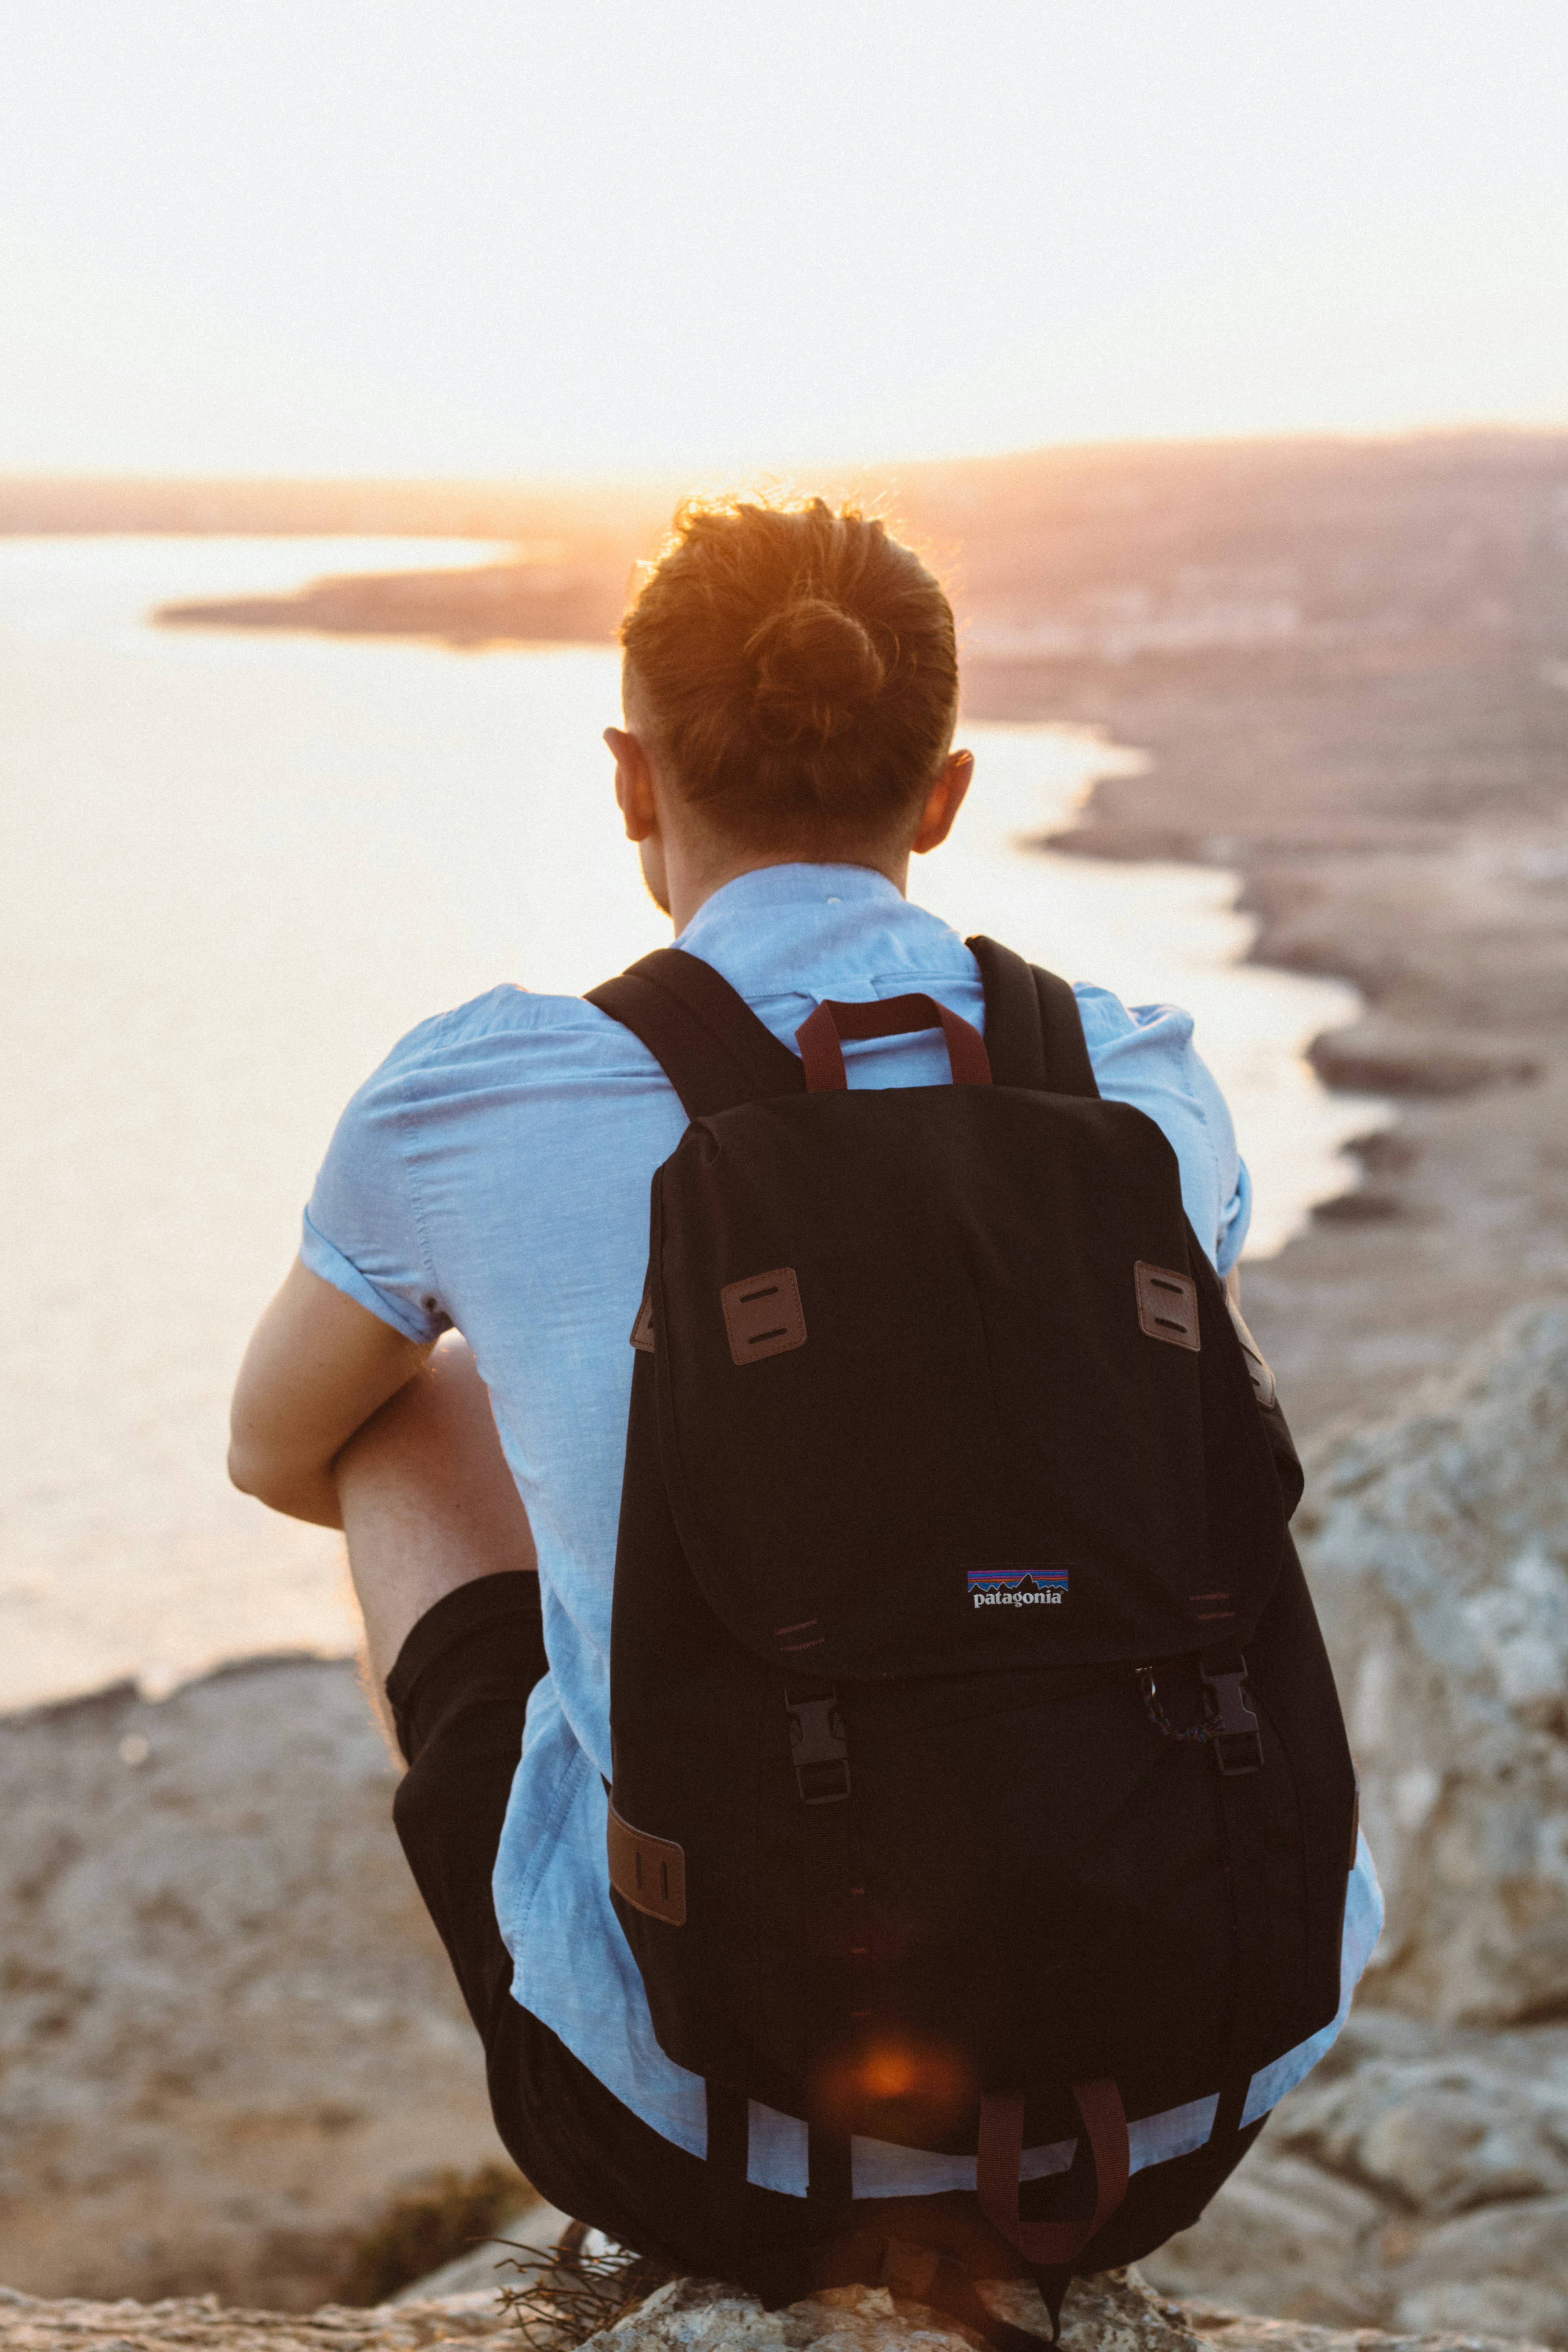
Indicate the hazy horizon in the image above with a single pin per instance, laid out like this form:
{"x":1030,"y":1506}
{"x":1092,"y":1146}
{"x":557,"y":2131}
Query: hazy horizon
{"x":675,"y":481}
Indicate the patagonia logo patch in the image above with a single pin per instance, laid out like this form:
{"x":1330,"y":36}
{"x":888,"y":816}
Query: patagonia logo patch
{"x":1015,"y":1588}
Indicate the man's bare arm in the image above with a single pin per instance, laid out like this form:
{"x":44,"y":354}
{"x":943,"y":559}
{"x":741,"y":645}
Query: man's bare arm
{"x":318,"y":1367}
{"x":428,"y":1502}
{"x":339,"y":1419}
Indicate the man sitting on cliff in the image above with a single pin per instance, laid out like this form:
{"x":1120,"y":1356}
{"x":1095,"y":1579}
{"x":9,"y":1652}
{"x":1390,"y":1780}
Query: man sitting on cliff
{"x":790,"y":699}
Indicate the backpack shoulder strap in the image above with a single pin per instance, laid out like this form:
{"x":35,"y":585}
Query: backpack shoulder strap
{"x":705,"y":1037}
{"x":1033,"y":1032}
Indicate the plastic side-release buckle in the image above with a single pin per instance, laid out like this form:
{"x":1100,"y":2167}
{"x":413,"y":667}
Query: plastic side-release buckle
{"x":1233,"y":1734}
{"x":819,"y":1748}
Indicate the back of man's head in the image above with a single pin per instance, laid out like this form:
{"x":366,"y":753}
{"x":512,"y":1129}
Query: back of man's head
{"x":798,"y":671}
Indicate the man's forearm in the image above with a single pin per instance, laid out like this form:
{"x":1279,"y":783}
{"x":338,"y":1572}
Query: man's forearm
{"x":310,"y":1493}
{"x":318,"y":1367}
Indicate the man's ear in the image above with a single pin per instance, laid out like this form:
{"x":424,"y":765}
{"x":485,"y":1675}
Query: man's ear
{"x":943,"y":801}
{"x":634,"y":785}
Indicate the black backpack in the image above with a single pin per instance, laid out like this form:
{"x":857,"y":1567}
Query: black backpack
{"x":979,"y":1779}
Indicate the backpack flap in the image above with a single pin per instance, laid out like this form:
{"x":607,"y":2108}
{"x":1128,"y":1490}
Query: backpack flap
{"x":942,"y":1387}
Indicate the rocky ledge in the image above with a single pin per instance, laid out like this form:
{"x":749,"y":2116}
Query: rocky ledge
{"x":1116,"y":2312}
{"x":230,"y":2034}
{"x":1420,"y":2178}
{"x":1417,"y":2182}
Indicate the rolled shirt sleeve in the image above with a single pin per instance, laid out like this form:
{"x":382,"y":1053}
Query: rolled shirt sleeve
{"x":362,"y":1231}
{"x":1144,"y":1055}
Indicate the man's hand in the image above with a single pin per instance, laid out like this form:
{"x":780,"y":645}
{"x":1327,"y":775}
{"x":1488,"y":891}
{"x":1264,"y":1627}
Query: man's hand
{"x":317,"y":1368}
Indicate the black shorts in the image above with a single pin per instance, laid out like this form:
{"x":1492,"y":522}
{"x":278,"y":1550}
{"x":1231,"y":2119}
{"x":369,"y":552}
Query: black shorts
{"x":458,"y":1692}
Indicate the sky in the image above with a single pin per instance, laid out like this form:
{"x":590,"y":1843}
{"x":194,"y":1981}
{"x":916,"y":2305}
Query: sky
{"x":502,"y":237}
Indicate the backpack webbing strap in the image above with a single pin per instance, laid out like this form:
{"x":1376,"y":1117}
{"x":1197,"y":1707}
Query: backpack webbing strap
{"x":829,"y":2163}
{"x":729,"y":2138}
{"x":1033,"y":1031}
{"x":1242,"y":1759}
{"x":1252,"y":1944}
{"x":820,"y":1755}
{"x":705,"y":1037}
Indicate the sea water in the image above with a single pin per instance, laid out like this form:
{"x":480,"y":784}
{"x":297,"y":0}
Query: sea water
{"x":238,"y":866}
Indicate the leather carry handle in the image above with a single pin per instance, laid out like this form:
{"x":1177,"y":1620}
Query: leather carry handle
{"x":891,"y":1016}
{"x":1001,"y":2158}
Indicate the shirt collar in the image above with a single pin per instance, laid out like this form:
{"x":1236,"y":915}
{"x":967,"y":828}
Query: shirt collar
{"x":791,"y":886}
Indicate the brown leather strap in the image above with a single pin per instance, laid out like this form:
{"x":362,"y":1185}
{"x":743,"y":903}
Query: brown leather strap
{"x":1001,"y":2161}
{"x":648,"y":1872}
{"x":891,"y":1016}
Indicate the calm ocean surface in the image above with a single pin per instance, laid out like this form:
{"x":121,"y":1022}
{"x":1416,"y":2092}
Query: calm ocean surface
{"x":236,"y":867}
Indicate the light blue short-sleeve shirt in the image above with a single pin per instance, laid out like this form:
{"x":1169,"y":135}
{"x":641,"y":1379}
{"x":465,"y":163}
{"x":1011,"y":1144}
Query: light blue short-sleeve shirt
{"x":493,"y":1176}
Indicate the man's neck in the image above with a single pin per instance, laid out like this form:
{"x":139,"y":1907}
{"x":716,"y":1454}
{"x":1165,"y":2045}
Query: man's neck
{"x":690,"y":884}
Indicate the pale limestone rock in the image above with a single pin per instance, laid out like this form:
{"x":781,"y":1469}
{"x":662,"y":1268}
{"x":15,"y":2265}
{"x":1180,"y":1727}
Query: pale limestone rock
{"x":1282,"y":2237}
{"x":1442,"y":2135}
{"x":1414,"y":2180}
{"x":699,"y":2315}
{"x":1436,"y":1544}
{"x":230,"y":2033}
{"x":1222,"y":2330}
{"x":1522,"y":2246}
{"x":1529,"y":2308}
{"x":1113,"y":2313}
{"x":201,"y":2323}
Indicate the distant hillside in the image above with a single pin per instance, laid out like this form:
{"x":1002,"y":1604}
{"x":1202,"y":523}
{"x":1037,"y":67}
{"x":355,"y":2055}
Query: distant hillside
{"x":1055,"y":556}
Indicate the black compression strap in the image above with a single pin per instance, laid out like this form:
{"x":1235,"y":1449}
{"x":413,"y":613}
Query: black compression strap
{"x":1251,"y":1945}
{"x":828,"y":1913}
{"x":728,"y":2119}
{"x":1033,"y":1032}
{"x":705,"y":1037}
